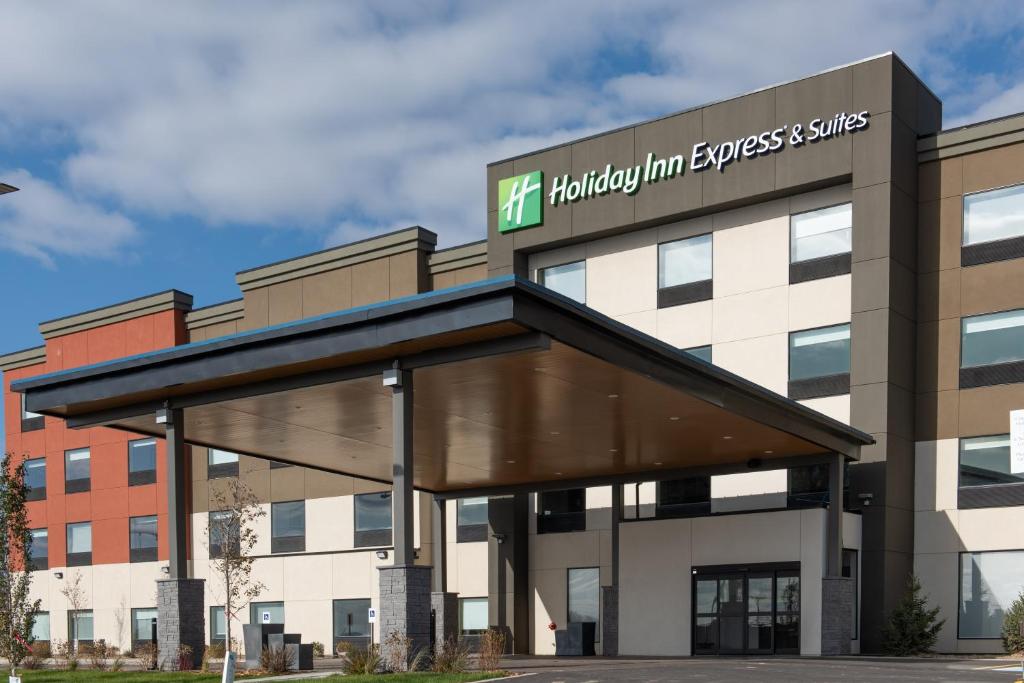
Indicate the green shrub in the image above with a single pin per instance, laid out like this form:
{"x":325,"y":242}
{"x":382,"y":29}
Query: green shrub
{"x":360,"y":660}
{"x":1013,"y":641}
{"x":318,"y":648}
{"x":912,"y":628}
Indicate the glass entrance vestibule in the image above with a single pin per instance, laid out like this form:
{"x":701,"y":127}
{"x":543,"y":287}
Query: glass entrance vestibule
{"x":752,"y":609}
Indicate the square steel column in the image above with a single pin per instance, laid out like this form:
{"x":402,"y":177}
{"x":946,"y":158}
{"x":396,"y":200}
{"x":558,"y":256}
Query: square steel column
{"x":837,"y":593}
{"x":177,"y":481}
{"x":444,"y":605}
{"x":400,"y":382}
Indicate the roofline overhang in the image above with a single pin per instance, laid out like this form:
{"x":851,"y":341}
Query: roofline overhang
{"x":506,"y":299}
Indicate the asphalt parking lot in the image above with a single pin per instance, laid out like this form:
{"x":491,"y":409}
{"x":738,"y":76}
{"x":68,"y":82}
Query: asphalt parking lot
{"x":791,"y":670}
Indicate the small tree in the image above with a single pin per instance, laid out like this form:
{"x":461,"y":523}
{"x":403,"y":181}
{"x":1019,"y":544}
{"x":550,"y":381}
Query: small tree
{"x":17,"y":610}
{"x":912,"y":628}
{"x":232,"y":538}
{"x":1013,"y":640}
{"x":75,"y":595}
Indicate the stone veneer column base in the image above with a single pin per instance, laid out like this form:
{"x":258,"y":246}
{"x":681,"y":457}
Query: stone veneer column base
{"x":837,"y":594}
{"x":405,"y":601}
{"x":180,"y":621}
{"x":610,"y":621}
{"x":446,"y":616}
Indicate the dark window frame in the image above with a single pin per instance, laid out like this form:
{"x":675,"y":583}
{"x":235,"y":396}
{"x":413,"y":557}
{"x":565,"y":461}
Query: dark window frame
{"x":71,"y":614}
{"x":977,"y":496}
{"x":221,"y":470}
{"x":214,"y":639}
{"x":40,"y":563}
{"x":371,"y":538}
{"x":695,"y":508}
{"x":600,"y":599}
{"x":992,"y":251}
{"x":540,"y":278}
{"x":960,"y":586}
{"x":141,"y":477}
{"x":993,"y":374}
{"x":139,"y":641}
{"x":39,"y":492}
{"x":80,"y":559}
{"x":79,"y":485}
{"x":142,"y":554}
{"x":469,"y":533}
{"x":688,"y":292}
{"x":30,"y":424}
{"x":561,"y":522}
{"x":837,"y":384}
{"x":821,"y":267}
{"x":49,"y":626}
{"x":216,"y":549}
{"x":358,"y":641}
{"x":288,"y":544}
{"x":472,"y":632}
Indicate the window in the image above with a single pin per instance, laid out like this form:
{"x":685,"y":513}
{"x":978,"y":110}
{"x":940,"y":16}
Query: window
{"x":585,"y":596}
{"x":372,"y":519}
{"x":79,"y":545}
{"x":993,"y":226}
{"x":819,"y":362}
{"x":288,"y":527}
{"x":80,"y":626}
{"x":141,"y":462}
{"x":986,"y":478}
{"x":992,"y":349}
{"x":684,"y":271}
{"x":35,"y":478}
{"x":218,"y":626}
{"x":568,"y":280}
{"x":850,"y":566}
{"x":471,"y":515}
{"x":351,"y":621}
{"x":39,"y":555}
{"x":221,"y":464}
{"x":684,"y":497}
{"x":808,"y":486}
{"x":702,"y":352}
{"x":224,"y":533}
{"x":142,"y":625}
{"x":819,"y":243}
{"x":989,"y":583}
{"x":30,"y":421}
{"x":472,"y":616}
{"x":266,"y":613}
{"x":562,"y":511}
{"x":41,"y":627}
{"x":142,"y":539}
{"x":76,"y":470}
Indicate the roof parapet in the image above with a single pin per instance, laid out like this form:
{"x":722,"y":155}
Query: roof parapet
{"x":171,"y":299}
{"x":23,"y":358}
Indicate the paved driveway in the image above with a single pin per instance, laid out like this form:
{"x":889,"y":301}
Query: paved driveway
{"x":789,"y":670}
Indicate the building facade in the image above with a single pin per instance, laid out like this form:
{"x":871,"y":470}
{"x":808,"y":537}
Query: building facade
{"x":824,"y":239}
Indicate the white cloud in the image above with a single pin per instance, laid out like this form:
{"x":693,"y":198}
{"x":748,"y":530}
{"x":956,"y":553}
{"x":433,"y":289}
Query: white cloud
{"x":41,"y":221}
{"x":350,"y":118}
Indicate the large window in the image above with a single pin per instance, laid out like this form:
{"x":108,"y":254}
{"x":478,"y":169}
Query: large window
{"x":41,"y":627}
{"x":35,"y":478}
{"x":819,"y":362}
{"x":39,"y":555}
{"x":472,"y":616}
{"x":819,"y":243}
{"x":79,"y":544}
{"x":685,"y":271}
{"x":568,"y":280}
{"x":30,"y":421}
{"x":141,"y":462}
{"x":471,"y":515}
{"x":989,"y":583}
{"x":351,"y":621}
{"x":218,"y":626}
{"x":986,"y":477}
{"x":224,"y":533}
{"x":221,"y":464}
{"x":372,"y":519}
{"x":992,"y":349}
{"x":76,"y":470}
{"x":80,"y":626}
{"x":142,"y":625}
{"x":684,"y":497}
{"x":142,"y":539}
{"x":266,"y":613}
{"x":562,"y":511}
{"x":585,"y":596}
{"x":993,"y":225}
{"x":288,"y":527}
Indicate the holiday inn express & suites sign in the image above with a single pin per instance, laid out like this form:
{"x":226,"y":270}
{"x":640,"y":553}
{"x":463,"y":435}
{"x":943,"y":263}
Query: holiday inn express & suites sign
{"x":521,"y":197}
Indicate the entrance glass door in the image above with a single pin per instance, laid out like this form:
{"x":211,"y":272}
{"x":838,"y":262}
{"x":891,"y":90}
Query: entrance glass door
{"x":747,"y":611}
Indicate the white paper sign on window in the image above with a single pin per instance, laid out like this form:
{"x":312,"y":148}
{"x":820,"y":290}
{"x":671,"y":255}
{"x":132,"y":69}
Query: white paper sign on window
{"x":1017,"y":441}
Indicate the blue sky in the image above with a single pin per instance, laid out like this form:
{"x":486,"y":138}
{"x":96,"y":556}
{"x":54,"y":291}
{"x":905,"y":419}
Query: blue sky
{"x":174,"y":148}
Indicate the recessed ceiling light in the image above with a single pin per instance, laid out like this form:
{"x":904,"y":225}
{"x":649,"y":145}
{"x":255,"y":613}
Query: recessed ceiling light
{"x":511,"y":462}
{"x":726,"y":437}
{"x":555,"y":433}
{"x":613,"y":450}
{"x":674,"y":418}
{"x":657,"y":464}
{"x":613,"y":395}
{"x":768,"y":452}
{"x":558,"y":474}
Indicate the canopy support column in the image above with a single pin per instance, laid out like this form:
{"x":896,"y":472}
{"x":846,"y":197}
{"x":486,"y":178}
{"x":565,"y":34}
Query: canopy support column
{"x":404,"y":586}
{"x":837,"y":592}
{"x":444,"y":605}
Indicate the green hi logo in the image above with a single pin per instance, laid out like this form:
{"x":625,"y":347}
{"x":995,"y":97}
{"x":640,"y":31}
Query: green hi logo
{"x":520,"y":202}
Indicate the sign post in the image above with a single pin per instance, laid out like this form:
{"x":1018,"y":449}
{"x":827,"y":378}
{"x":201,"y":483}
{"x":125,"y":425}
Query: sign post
{"x":266,"y":617}
{"x":371,"y":618}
